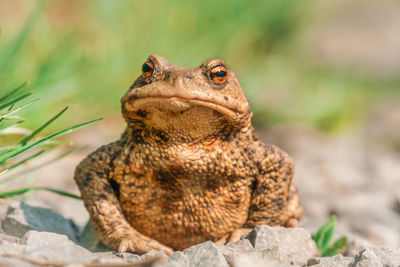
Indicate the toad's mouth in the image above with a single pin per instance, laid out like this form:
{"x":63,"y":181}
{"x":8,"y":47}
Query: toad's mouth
{"x":179,"y":104}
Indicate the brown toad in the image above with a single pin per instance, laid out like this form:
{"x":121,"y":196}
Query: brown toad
{"x":188,"y":168}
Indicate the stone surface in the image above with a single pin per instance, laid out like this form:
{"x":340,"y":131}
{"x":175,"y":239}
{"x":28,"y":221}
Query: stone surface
{"x":366,"y":258}
{"x":264,"y":246}
{"x":44,"y":248}
{"x":387,"y":255}
{"x":51,"y":249}
{"x":178,"y":258}
{"x":205,"y":254}
{"x":256,"y":261}
{"x":257,"y":257}
{"x":289,"y":245}
{"x":335,"y":261}
{"x":20,"y":218}
{"x":240,"y":252}
{"x":377,"y":256}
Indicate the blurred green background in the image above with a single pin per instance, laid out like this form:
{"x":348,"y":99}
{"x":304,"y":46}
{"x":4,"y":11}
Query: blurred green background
{"x":291,"y":56}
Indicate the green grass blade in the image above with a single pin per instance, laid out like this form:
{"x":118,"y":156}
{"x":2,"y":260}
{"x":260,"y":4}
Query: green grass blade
{"x":25,"y":140}
{"x":21,"y":149}
{"x":24,"y":161}
{"x":5,"y":150}
{"x":15,"y":175}
{"x":4,"y":128}
{"x":10,"y":112}
{"x":330,"y":230}
{"x":60,"y":192}
{"x":15,"y":100}
{"x":55,"y":143}
{"x":15,"y":192}
{"x":12,"y":92}
{"x":324,"y":235}
{"x":24,"y":190}
{"x":336,"y":248}
{"x":328,"y":252}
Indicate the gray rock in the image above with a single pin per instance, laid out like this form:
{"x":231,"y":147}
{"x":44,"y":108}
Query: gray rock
{"x":255,"y":257}
{"x":21,"y":218}
{"x":111,"y":258}
{"x":366,"y":258}
{"x":251,"y":260}
{"x":154,"y":256}
{"x":151,"y":258}
{"x":377,"y":256}
{"x":205,"y":254}
{"x":53,"y":246}
{"x":388,"y":255}
{"x":335,"y":261}
{"x":130,"y":257}
{"x":264,"y":246}
{"x":177,"y":259}
{"x":242,"y":253}
{"x":286,"y":245}
{"x":243,"y":244}
{"x":12,"y":262}
{"x":178,"y":256}
{"x":48,"y":249}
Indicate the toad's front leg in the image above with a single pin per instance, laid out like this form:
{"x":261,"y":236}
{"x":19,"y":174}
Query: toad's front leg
{"x":92,"y":177}
{"x":274,"y":199}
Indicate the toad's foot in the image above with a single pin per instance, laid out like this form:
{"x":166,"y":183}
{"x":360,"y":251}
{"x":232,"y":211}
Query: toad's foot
{"x":141,"y":244}
{"x":234,"y":236}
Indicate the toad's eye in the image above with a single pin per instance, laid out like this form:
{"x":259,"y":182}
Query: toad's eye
{"x":147,"y":69}
{"x":218,"y":74}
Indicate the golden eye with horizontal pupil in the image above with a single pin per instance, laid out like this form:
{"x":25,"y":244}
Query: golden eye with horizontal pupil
{"x":147,"y":69}
{"x":218,"y":74}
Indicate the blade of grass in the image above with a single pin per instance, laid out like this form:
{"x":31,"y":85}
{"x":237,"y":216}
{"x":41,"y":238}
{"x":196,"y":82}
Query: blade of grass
{"x":336,"y":248}
{"x":329,"y":233}
{"x":340,"y":244}
{"x":15,"y":175}
{"x":21,"y":149}
{"x":24,"y":190}
{"x":25,"y":140}
{"x":55,"y":143}
{"x":25,"y":160}
{"x":5,"y":150}
{"x":4,"y":129}
{"x":15,"y":100}
{"x":10,"y":112}
{"x":325,"y":234}
{"x":13,"y":91}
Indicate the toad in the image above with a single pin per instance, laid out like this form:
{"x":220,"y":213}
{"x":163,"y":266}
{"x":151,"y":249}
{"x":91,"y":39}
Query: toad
{"x":189,"y":166}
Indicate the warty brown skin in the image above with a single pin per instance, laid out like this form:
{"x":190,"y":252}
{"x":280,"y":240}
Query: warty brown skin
{"x":188,"y":168}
